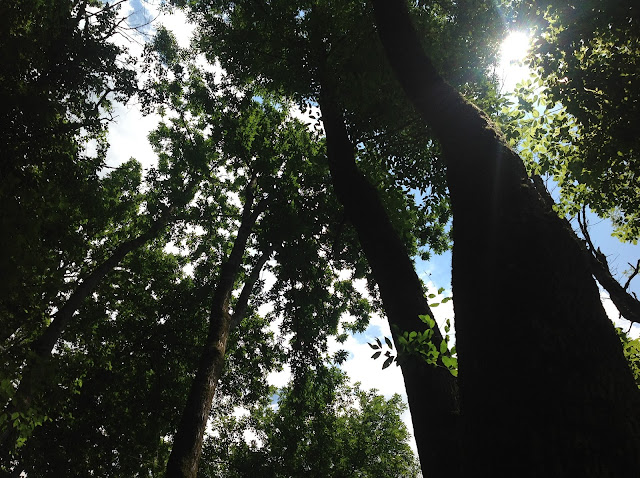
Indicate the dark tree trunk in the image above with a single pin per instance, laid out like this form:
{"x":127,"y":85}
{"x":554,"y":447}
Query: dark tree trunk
{"x":545,"y":388}
{"x":44,"y":345}
{"x":431,"y":391}
{"x":187,"y":442}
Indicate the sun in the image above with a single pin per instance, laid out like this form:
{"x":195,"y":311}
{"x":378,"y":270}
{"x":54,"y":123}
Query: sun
{"x":514,"y":47}
{"x":513,"y":50}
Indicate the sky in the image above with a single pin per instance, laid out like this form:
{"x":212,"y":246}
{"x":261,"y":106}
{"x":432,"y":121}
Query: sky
{"x":127,"y":138}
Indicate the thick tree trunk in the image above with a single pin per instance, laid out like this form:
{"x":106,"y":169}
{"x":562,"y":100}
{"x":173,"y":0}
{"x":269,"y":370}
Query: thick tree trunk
{"x":44,"y":345}
{"x":187,"y":442}
{"x":544,"y":386}
{"x":431,"y":391}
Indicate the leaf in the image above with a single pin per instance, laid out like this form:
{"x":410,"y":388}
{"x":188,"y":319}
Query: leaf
{"x":373,"y":346}
{"x":379,"y":343}
{"x":376,"y":355}
{"x":387,"y":363}
{"x":429,"y":321}
{"x":388,"y":341}
{"x":449,"y":362}
{"x":443,"y":347}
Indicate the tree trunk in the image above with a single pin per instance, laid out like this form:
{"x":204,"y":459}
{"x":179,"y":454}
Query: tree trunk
{"x":43,"y":346}
{"x":187,"y":442}
{"x":545,"y":388}
{"x":431,"y":391}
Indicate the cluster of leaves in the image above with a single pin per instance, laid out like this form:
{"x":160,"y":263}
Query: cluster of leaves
{"x":631,"y":350}
{"x":420,"y":344}
{"x":586,"y":57}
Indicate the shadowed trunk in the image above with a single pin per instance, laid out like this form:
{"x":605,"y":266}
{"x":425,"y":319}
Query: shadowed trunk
{"x":44,"y":345}
{"x":431,"y":391}
{"x":545,"y":388}
{"x":187,"y":442}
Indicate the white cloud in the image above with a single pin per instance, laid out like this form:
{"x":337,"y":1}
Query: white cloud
{"x":128,"y":136}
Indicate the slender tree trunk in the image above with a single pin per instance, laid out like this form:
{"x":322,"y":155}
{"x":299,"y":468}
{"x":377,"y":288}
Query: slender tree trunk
{"x":431,"y":391}
{"x":544,"y":385}
{"x":43,"y":346}
{"x":187,"y":442}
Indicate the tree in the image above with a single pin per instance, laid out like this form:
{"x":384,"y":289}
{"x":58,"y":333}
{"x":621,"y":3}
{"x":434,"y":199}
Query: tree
{"x":484,"y":175}
{"x":252,"y":183}
{"x":60,"y":75}
{"x":264,"y":155}
{"x":318,"y":43}
{"x":319,"y":426}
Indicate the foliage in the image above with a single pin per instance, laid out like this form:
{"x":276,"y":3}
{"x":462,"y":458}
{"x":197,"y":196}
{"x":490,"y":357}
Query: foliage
{"x":319,"y":426}
{"x":420,"y":344}
{"x":631,"y":350}
{"x":60,"y":73}
{"x":586,"y":56}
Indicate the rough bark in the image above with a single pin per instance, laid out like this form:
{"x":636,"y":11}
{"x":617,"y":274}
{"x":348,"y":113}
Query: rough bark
{"x":431,"y":391}
{"x":187,"y":442}
{"x":545,"y":389}
{"x":43,"y":347}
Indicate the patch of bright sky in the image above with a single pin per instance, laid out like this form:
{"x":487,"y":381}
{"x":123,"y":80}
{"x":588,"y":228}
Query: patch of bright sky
{"x":128,"y":134}
{"x":511,"y":69}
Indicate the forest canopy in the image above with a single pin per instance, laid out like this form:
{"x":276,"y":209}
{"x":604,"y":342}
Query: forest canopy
{"x":193,"y":312}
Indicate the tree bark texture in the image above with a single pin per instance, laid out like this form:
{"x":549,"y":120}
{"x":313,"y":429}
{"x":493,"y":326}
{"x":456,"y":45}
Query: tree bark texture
{"x":545,"y":389}
{"x":187,"y":442}
{"x":431,"y":391}
{"x":43,"y":347}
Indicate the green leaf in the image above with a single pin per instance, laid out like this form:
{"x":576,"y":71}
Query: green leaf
{"x":388,"y":341}
{"x":387,"y":363}
{"x":376,"y":355}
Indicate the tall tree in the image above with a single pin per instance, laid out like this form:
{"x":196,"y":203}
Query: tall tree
{"x":584,"y":419}
{"x":319,"y":42}
{"x":60,"y":74}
